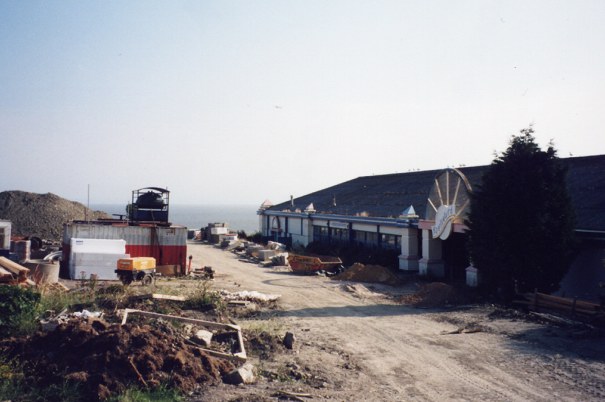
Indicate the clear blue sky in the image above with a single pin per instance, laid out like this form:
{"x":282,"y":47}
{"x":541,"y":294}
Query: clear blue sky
{"x":241,"y":101}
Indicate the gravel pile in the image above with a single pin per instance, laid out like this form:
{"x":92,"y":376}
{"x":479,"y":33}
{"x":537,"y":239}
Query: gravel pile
{"x":42,"y":215}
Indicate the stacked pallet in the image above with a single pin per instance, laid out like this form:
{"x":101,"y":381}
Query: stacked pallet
{"x":12,"y":273}
{"x":573,"y":308}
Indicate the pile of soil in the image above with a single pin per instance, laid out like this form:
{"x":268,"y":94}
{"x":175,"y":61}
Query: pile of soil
{"x":42,"y":215}
{"x":368,"y":273}
{"x":105,"y":359}
{"x":435,"y":294}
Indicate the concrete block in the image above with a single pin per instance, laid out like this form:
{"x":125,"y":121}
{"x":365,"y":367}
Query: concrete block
{"x":202,"y":337}
{"x":243,"y":375}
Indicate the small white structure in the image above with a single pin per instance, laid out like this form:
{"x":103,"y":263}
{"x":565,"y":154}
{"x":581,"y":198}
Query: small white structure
{"x":95,"y":256}
{"x":5,"y":235}
{"x":472,"y":276}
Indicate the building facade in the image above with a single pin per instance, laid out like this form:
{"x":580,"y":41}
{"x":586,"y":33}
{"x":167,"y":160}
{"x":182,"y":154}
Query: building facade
{"x":419,"y":214}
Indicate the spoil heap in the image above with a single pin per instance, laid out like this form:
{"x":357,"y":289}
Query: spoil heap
{"x":368,"y":273}
{"x":105,"y":359}
{"x":435,"y":294}
{"x":42,"y":215}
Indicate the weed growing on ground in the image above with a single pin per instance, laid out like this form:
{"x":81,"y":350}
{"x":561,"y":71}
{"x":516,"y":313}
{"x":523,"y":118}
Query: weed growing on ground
{"x":203,"y":298}
{"x":270,"y":326}
{"x":160,"y":394}
{"x":56,"y":301}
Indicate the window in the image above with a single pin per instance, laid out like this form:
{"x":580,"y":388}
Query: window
{"x":340,"y":236}
{"x":391,"y":242}
{"x":321,"y":234}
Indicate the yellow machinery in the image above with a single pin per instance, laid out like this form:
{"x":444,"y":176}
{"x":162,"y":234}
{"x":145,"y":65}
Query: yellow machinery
{"x":136,"y":269}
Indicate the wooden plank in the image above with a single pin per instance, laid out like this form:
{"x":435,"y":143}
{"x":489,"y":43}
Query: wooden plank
{"x":168,"y":297}
{"x":13,"y":267}
{"x":5,"y":273}
{"x":568,"y":301}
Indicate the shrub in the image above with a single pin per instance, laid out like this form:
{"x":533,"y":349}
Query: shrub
{"x":19,"y":308}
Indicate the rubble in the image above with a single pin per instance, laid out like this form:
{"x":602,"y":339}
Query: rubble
{"x":202,"y":337}
{"x":249,"y":296}
{"x":242,"y":375}
{"x":237,"y":352}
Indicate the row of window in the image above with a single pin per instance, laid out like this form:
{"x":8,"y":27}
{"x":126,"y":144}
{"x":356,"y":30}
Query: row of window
{"x":325,"y":234}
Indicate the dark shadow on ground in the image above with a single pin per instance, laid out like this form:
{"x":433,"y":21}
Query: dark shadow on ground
{"x":584,"y":343}
{"x":375,"y":310}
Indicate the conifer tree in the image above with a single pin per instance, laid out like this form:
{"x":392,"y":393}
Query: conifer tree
{"x":521,"y":220}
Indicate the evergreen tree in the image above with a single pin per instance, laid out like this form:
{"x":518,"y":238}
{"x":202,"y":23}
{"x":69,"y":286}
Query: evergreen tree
{"x":521,"y":220}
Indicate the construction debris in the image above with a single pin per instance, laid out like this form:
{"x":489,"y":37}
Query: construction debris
{"x":203,"y":338}
{"x":238,"y":355}
{"x":13,"y":273}
{"x":249,"y":295}
{"x":157,"y":296}
{"x":573,"y":308}
{"x":280,"y":259}
{"x":203,"y":273}
{"x":273,"y":245}
{"x":242,"y":375}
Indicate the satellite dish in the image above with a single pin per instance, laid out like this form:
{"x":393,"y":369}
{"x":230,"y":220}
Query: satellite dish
{"x":448,"y":201}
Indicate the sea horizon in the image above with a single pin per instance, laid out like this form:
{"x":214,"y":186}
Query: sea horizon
{"x":196,"y":216}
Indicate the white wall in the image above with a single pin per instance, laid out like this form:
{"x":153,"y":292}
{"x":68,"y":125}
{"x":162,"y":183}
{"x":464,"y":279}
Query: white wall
{"x":5,"y":227}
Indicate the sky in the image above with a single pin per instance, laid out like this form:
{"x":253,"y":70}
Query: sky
{"x":236,"y":102}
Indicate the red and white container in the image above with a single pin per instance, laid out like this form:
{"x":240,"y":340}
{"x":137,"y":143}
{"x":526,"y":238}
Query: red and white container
{"x":167,"y":244}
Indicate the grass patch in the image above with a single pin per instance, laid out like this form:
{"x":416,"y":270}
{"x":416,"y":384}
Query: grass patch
{"x":272,"y":327}
{"x":160,"y":394}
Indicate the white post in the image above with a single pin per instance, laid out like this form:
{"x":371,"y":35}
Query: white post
{"x":408,"y":260}
{"x":431,"y":263}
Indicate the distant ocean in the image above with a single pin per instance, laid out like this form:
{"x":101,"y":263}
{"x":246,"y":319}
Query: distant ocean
{"x":238,"y":217}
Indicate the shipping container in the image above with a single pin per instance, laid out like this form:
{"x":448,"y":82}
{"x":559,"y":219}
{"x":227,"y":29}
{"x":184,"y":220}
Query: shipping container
{"x":167,"y":244}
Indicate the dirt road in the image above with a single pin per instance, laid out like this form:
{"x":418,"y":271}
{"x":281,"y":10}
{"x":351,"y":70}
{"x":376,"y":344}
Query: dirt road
{"x":360,"y":345}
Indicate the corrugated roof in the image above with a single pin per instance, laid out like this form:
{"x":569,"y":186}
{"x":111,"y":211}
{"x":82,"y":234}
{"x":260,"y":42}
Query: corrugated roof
{"x":389,"y":195}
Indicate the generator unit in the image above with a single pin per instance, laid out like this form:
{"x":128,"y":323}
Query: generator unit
{"x":149,"y":204}
{"x":136,"y":269}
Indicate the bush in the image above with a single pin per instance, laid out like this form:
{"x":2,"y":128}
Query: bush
{"x":19,"y":307}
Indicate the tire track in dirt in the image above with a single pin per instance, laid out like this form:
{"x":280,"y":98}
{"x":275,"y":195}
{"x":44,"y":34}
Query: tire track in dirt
{"x":401,"y":351}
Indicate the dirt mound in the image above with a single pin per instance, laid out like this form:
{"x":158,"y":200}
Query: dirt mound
{"x":435,"y":294}
{"x":105,"y":359}
{"x":368,"y":273}
{"x":42,"y":215}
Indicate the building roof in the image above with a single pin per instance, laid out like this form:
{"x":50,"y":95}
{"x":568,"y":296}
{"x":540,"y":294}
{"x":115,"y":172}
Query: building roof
{"x":391,"y":194}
